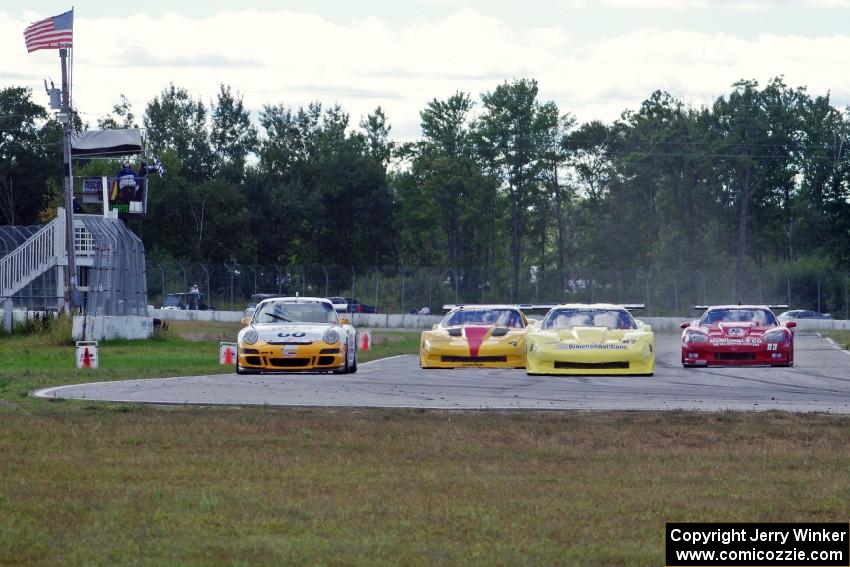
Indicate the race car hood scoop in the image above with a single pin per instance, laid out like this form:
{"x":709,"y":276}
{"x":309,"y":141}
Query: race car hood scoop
{"x":736,"y":329}
{"x":590,"y":334}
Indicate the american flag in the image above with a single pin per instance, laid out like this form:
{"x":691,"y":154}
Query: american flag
{"x":50,"y":33}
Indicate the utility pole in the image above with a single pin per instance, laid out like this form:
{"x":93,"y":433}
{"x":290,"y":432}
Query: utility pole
{"x":65,"y":119}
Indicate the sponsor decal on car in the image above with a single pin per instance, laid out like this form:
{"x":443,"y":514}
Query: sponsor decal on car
{"x":749,"y":341}
{"x":592,"y":346}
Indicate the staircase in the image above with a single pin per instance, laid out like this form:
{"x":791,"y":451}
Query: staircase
{"x":42,"y":251}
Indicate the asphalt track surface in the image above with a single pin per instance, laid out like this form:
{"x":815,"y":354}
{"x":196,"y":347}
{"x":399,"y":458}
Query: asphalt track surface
{"x":818,"y":382}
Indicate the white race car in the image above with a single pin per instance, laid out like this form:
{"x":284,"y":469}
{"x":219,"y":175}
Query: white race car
{"x":289,"y":334}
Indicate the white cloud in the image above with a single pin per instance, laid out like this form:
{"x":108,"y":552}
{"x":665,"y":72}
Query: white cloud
{"x":828,"y":3}
{"x":657,"y":4}
{"x":292,"y":58}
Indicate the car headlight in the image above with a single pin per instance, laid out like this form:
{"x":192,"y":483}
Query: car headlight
{"x":331,"y":336}
{"x":695,"y":337}
{"x":426,"y":345}
{"x":775,"y":337}
{"x":250,"y":337}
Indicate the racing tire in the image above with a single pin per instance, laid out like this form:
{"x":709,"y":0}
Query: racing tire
{"x":346,"y":367}
{"x":241,"y":371}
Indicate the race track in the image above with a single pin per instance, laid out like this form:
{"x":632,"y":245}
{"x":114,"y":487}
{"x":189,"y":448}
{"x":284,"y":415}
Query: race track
{"x":819,"y":381}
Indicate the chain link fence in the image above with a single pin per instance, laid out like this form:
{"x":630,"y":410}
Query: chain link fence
{"x":399,"y":289}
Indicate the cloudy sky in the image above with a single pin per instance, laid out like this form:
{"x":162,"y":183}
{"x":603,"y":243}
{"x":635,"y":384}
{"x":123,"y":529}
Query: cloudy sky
{"x":594,"y":58}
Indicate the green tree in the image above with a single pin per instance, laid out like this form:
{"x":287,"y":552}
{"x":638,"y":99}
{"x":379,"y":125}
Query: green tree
{"x":756,"y":132}
{"x":507,"y":134}
{"x":122,"y":116}
{"x":177,"y":123}
{"x":444,"y":196}
{"x":30,"y":154}
{"x":233,"y":136}
{"x":559,"y":194}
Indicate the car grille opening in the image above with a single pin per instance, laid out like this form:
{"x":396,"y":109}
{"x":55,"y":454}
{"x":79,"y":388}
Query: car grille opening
{"x":325,"y":360}
{"x":250,"y":351}
{"x":289,"y":362}
{"x":255,"y":360}
{"x":474,"y":358}
{"x":734,"y":356}
{"x":329,"y":351}
{"x":592,"y":365}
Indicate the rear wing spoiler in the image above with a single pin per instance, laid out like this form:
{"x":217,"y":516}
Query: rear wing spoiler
{"x":771,"y":307}
{"x":535,"y":306}
{"x":520,"y":306}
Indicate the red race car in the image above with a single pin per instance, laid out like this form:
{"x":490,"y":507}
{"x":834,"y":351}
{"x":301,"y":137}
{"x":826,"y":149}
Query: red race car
{"x":738,"y":335}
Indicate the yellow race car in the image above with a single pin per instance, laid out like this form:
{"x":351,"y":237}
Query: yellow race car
{"x":598,"y":338}
{"x":287,"y":334}
{"x":491,"y":336}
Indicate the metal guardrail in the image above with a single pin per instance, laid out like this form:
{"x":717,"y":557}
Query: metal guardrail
{"x":31,"y":259}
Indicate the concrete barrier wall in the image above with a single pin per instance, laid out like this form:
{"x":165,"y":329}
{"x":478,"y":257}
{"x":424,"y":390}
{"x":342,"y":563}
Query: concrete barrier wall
{"x":387,"y":321}
{"x":181,"y":315}
{"x":823,"y":324}
{"x":105,"y":328}
{"x":410,"y":321}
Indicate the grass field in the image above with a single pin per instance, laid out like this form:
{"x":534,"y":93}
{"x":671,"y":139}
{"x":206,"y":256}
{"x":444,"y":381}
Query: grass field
{"x":187,"y":348}
{"x":106,"y":484}
{"x":840,"y":337}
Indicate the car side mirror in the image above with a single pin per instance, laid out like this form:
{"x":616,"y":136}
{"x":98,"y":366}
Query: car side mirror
{"x":435,"y":327}
{"x":791,"y":324}
{"x":647,"y":328}
{"x":246,"y":321}
{"x":344,"y":321}
{"x":684,"y":325}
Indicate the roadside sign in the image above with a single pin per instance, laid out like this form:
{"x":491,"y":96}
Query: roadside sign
{"x":87,"y":354}
{"x":227,"y":353}
{"x":365,"y":341}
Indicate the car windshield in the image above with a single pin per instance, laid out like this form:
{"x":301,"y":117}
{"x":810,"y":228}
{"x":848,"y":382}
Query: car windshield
{"x":500,"y":317}
{"x":171,"y":300}
{"x":296,"y":312}
{"x":566,"y":318}
{"x":258,"y":297}
{"x":738,"y":315}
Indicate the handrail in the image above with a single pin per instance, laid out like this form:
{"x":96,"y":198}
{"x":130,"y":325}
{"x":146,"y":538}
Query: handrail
{"x":29,"y":260}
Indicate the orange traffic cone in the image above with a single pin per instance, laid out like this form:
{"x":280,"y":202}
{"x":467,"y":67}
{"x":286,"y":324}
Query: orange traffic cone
{"x":228,"y":356}
{"x":86,"y":358}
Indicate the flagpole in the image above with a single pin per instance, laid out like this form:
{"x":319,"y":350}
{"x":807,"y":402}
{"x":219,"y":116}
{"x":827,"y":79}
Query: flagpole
{"x":71,"y":273}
